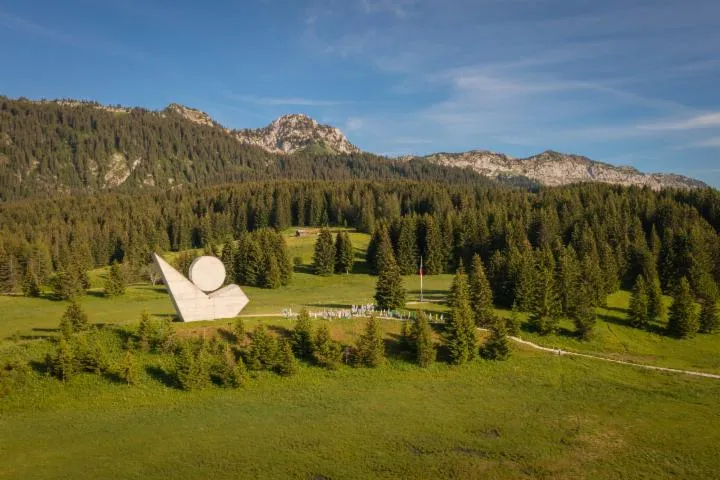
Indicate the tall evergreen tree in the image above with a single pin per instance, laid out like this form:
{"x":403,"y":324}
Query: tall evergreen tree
{"x":344,"y":255}
{"x":425,"y":351}
{"x":326,"y":352}
{"x":302,"y":336}
{"x":389,"y":290}
{"x":287,"y":363}
{"x":30,"y":285}
{"x":324,"y":257}
{"x":460,"y":333}
{"x":497,"y":346}
{"x":62,"y":363}
{"x":407,"y":251}
{"x":583,"y":312}
{"x":433,"y":251}
{"x":656,"y":306}
{"x":228,"y":260}
{"x":9,"y":272}
{"x":545,"y":305}
{"x":271,"y":274}
{"x":639,"y":302}
{"x":709,"y":318}
{"x":370,"y":350}
{"x":115,"y":282}
{"x":683,"y":320}
{"x":481,"y":295}
{"x":74,"y":319}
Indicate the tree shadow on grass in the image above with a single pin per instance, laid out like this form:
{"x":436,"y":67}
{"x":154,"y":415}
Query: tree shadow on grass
{"x":652,"y":328}
{"x":429,"y":294}
{"x":160,"y":375}
{"x":394,"y":347}
{"x":361,"y":268}
{"x":227,"y":335}
{"x":304,"y":269}
{"x":41,"y":368}
{"x":330,"y":305}
{"x":624,"y":311}
{"x":113,"y":377}
{"x":280,"y":331}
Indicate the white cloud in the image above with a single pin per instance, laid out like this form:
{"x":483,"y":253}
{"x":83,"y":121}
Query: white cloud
{"x":710,"y":142}
{"x":706,"y":120}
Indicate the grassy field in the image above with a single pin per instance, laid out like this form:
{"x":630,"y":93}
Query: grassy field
{"x":36,"y":317}
{"x":533,"y":416}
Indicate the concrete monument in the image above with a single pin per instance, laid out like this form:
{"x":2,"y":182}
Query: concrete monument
{"x":192,"y":299}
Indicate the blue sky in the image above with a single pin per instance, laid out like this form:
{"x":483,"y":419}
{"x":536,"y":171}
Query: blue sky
{"x":627,"y":82}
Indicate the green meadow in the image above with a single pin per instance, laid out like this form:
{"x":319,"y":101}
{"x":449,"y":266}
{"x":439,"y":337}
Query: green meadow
{"x":535,"y":415}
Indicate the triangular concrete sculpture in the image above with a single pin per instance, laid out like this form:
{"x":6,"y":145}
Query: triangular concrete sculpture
{"x":189,"y":297}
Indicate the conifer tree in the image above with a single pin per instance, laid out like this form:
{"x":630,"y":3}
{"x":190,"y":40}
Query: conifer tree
{"x":263,"y":349}
{"x":228,"y":260}
{"x":370,"y":351}
{"x":433,"y":249}
{"x":115,"y":282}
{"x":271,"y":273}
{"x":583,"y":313}
{"x":129,"y":369}
{"x":497,"y":346}
{"x":74,"y":319}
{"x":709,"y":318}
{"x":287,"y":364}
{"x":344,"y":255}
{"x":30,"y":285}
{"x":425,"y":351}
{"x":638,"y":313}
{"x":63,"y":361}
{"x":326,"y":351}
{"x":302,"y":336}
{"x":683,"y":320}
{"x":389,"y":290}
{"x":513,"y":322}
{"x":66,"y":285}
{"x":568,"y":278}
{"x":481,"y":295}
{"x":9,"y":272}
{"x":460,"y":332}
{"x":324,"y":257}
{"x":545,"y":305}
{"x":238,"y":329}
{"x":656,"y":307}
{"x":407,"y":251}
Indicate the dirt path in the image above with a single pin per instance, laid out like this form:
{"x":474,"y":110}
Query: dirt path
{"x":558,"y":351}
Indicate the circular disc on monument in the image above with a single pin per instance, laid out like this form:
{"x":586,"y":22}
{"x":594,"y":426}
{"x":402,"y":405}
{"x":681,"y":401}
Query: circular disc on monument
{"x":207,"y":273}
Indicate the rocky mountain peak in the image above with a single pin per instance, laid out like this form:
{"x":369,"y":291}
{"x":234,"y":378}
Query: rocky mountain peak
{"x":296,"y":131}
{"x":192,"y":114}
{"x":555,"y":168}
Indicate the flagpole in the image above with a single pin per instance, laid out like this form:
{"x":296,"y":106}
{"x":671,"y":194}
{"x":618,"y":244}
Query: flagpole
{"x":421,"y":279}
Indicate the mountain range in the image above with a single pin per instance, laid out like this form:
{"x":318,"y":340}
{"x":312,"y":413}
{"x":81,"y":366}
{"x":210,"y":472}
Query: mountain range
{"x":293,"y":132}
{"x":67,"y":146}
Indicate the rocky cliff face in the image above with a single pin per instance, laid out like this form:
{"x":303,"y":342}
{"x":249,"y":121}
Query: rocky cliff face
{"x":294,"y":132}
{"x":192,"y":114}
{"x":553,"y":168}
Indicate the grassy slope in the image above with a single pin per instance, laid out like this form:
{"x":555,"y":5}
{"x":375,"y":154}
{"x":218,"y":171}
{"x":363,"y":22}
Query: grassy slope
{"x":614,"y":337}
{"x":534,"y":416}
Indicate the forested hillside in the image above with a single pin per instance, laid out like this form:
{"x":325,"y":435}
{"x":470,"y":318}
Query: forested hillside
{"x":48,"y":148}
{"x":611,"y":234}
